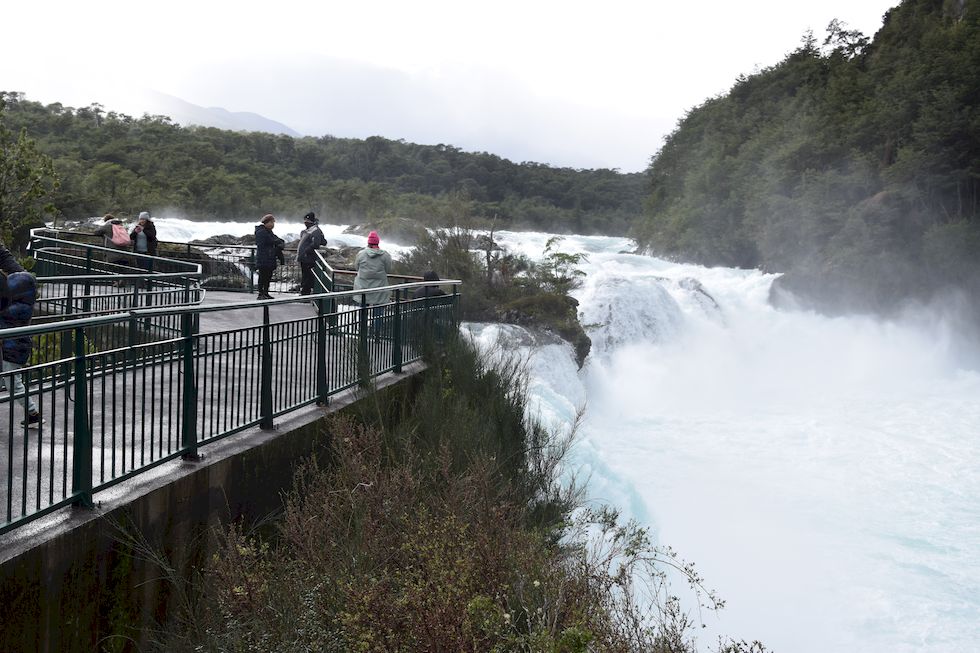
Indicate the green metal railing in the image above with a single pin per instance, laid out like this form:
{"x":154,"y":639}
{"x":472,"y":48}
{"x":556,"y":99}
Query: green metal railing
{"x":223,"y":267}
{"x":112,"y":413}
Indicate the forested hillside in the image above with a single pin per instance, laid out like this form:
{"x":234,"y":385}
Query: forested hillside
{"x":112,"y":162}
{"x":852,"y":165}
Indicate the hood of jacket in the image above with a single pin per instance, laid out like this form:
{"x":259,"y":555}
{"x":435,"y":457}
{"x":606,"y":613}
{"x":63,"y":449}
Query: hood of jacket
{"x":373,"y":252}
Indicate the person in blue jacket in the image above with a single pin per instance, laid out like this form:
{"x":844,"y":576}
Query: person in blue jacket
{"x":18,"y":292}
{"x":268,"y":250}
{"x":8,"y":262}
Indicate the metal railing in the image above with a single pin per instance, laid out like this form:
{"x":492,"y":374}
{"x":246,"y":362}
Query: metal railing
{"x":113,"y":413}
{"x":78,"y":279}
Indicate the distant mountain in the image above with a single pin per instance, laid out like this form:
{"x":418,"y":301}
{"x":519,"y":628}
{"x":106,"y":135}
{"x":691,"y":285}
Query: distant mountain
{"x":185,"y":113}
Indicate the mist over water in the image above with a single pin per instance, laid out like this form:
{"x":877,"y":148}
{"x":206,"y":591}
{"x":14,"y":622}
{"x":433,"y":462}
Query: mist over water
{"x":823,"y":473}
{"x":182,"y":230}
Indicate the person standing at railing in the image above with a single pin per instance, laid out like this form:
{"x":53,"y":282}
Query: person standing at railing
{"x":116,"y":238}
{"x":373,"y":265}
{"x":144,"y":236}
{"x":268,"y":250}
{"x":309,"y":240}
{"x":18,"y":292}
{"x":431,"y":290}
{"x":437,"y":324}
{"x":8,"y":262}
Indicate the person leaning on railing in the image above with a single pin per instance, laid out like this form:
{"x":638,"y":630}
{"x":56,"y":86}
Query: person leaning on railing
{"x":435,"y":326}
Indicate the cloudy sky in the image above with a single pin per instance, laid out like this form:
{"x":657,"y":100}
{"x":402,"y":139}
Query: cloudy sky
{"x":568,"y":83}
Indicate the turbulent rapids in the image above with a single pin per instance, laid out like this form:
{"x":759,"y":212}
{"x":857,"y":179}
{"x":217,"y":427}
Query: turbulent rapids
{"x":822,"y":472}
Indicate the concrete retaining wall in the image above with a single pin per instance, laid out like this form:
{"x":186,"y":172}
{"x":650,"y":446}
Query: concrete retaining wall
{"x":81,"y":581}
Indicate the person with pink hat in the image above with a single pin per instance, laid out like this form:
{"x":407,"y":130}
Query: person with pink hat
{"x":372,"y":265}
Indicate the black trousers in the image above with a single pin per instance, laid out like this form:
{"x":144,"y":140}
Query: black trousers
{"x":265,"y":277}
{"x":306,"y":281}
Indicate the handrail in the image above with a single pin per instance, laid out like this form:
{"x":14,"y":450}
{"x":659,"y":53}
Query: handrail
{"x":112,"y":414}
{"x":36,"y":235}
{"x":35,"y":329}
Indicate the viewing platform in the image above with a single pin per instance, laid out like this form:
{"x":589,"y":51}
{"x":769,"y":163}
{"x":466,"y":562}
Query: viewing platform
{"x":133,"y":370}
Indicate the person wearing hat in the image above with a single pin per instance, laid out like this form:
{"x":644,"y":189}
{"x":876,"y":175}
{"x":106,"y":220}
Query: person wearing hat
{"x":372,"y":265}
{"x":268,"y":250}
{"x":309,"y":240}
{"x":144,"y":235}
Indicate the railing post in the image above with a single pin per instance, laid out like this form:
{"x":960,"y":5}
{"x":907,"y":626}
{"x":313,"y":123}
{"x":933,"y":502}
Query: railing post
{"x":189,"y":422}
{"x":87,"y":298}
{"x":131,"y":338}
{"x":455,"y":311}
{"x":396,"y":335}
{"x":333,"y":302}
{"x":321,"y":353}
{"x":81,"y":478}
{"x":147,"y":302}
{"x":363,"y":367}
{"x":265,"y":388}
{"x":251,"y":271}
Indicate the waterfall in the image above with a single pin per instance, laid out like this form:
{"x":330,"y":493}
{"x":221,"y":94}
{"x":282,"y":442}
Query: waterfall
{"x":823,"y":473}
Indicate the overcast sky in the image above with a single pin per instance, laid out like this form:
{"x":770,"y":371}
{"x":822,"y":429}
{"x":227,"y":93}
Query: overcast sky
{"x":568,"y":83}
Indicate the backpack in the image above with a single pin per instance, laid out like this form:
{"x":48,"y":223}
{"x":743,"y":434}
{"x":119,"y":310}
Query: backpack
{"x":120,"y":236}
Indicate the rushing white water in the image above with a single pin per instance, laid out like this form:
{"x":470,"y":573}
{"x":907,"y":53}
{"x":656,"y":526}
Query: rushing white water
{"x":181,"y":230}
{"x":824,"y":473}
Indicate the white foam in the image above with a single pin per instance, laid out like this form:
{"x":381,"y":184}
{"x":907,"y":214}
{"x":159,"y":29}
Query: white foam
{"x":824,"y":473}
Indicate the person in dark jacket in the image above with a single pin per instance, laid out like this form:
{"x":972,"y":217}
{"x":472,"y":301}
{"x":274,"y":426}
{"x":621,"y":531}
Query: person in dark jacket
{"x":432,"y":324}
{"x":309,"y":240}
{"x":144,"y":235}
{"x":18,"y":292}
{"x":114,"y":239}
{"x":8,"y":262}
{"x":268,"y":250}
{"x":432,"y":290}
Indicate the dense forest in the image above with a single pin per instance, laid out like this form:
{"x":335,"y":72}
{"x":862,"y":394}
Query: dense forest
{"x":853,"y":165}
{"x":110,"y":162}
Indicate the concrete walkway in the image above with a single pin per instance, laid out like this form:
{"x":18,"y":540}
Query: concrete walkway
{"x":135,"y":400}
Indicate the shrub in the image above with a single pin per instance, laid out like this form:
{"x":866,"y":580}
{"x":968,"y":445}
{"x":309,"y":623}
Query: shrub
{"x":439,"y":524}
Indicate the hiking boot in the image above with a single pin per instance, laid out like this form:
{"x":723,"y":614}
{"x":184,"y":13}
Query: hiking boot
{"x":264,"y":297}
{"x":32,"y":421}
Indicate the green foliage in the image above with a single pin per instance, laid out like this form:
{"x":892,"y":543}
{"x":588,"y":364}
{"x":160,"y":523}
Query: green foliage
{"x":111,"y":162}
{"x":500,"y":286}
{"x":439,"y":524}
{"x":840,"y":165}
{"x":558,"y":271}
{"x":27,"y":182}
